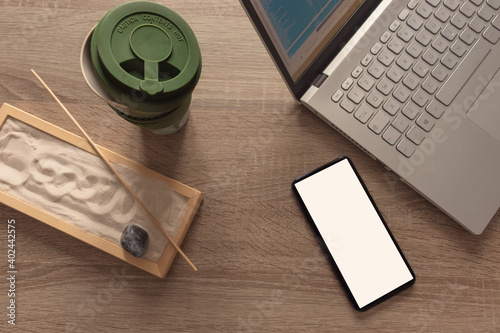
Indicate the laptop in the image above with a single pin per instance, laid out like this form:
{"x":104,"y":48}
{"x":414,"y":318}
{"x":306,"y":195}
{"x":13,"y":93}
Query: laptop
{"x":413,"y":83}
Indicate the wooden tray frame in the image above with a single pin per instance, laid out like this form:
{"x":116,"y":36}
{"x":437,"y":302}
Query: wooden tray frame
{"x":160,"y":268}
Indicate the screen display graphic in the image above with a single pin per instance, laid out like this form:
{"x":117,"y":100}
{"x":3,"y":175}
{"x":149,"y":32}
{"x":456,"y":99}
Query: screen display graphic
{"x":299,"y":30}
{"x":295,"y":24}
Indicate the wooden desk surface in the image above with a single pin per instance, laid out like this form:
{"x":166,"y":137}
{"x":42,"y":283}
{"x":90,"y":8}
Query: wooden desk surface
{"x":260,"y":268}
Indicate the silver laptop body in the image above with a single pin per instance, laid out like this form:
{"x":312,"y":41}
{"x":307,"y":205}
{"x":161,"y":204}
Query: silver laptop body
{"x":414,"y":83}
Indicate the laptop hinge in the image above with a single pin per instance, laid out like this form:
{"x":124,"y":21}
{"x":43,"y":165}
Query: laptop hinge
{"x":319,"y":80}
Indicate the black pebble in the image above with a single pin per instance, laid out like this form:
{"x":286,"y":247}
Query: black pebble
{"x":134,"y":240}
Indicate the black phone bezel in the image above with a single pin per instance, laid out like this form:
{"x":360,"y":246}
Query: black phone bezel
{"x":325,"y":248}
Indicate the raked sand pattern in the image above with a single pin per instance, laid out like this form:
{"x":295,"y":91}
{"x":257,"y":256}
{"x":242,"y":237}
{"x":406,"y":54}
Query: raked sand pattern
{"x":77,"y":187}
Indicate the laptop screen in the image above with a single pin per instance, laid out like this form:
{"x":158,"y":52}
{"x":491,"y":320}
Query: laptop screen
{"x":304,"y":36}
{"x":301,"y":29}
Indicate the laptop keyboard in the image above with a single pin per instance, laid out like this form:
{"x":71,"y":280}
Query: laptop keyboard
{"x":418,"y":66}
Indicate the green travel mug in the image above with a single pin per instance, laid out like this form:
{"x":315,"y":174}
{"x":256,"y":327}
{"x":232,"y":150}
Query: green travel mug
{"x":144,"y":60}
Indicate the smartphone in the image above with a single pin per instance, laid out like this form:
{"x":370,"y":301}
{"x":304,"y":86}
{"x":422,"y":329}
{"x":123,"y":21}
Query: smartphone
{"x":351,"y":230}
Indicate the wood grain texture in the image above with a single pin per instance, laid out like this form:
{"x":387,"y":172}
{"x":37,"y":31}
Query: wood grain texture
{"x":260,"y":268}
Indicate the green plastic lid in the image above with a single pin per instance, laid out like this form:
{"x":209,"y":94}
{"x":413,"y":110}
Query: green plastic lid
{"x":146,"y":56}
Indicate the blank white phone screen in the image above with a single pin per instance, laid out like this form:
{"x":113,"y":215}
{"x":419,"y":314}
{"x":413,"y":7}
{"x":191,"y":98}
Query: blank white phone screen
{"x":353,"y":232}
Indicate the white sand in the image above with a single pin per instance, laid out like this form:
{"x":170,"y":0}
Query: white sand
{"x":77,"y":187}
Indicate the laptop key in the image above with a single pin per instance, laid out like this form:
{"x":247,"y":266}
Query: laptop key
{"x":356,"y":95}
{"x":337,"y":96}
{"x":347,"y":105}
{"x":452,"y":4}
{"x":401,"y":94}
{"x":425,"y":122}
{"x":440,"y":73}
{"x":420,"y":98}
{"x":367,"y":59}
{"x":496,"y":22}
{"x":391,"y":107}
{"x":411,"y":81}
{"x":436,"y":109}
{"x":449,"y":33}
{"x":376,"y":48}
{"x":467,"y":9}
{"x":406,"y":34}
{"x":347,"y":83}
{"x":486,"y":13}
{"x":376,"y":70}
{"x":492,"y":35}
{"x":449,"y":60}
{"x":415,"y":22}
{"x":385,"y":86}
{"x":477,"y":2}
{"x":411,"y":110}
{"x":364,"y":113}
{"x":421,"y":69}
{"x":357,"y":72}
{"x":416,"y":135}
{"x":375,"y":99}
{"x":412,"y":4}
{"x":366,"y":82}
{"x":424,"y":10}
{"x":442,"y":14}
{"x":394,"y":25}
{"x":414,"y":49}
{"x":433,"y":25}
{"x":391,"y":135}
{"x":468,"y":36}
{"x":494,"y":3}
{"x":379,"y":122}
{"x":431,"y":57}
{"x":401,"y":123}
{"x":405,"y":61}
{"x":395,"y":74}
{"x":477,"y":24}
{"x":459,"y":48}
{"x":404,"y":14}
{"x":430,"y":85}
{"x":459,"y":21}
{"x":396,"y":45}
{"x":440,"y":44}
{"x":386,"y":58}
{"x":385,"y":37}
{"x":424,"y":37}
{"x":406,"y":148}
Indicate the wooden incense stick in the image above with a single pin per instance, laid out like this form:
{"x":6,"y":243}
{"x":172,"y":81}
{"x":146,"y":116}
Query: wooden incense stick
{"x":98,"y":151}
